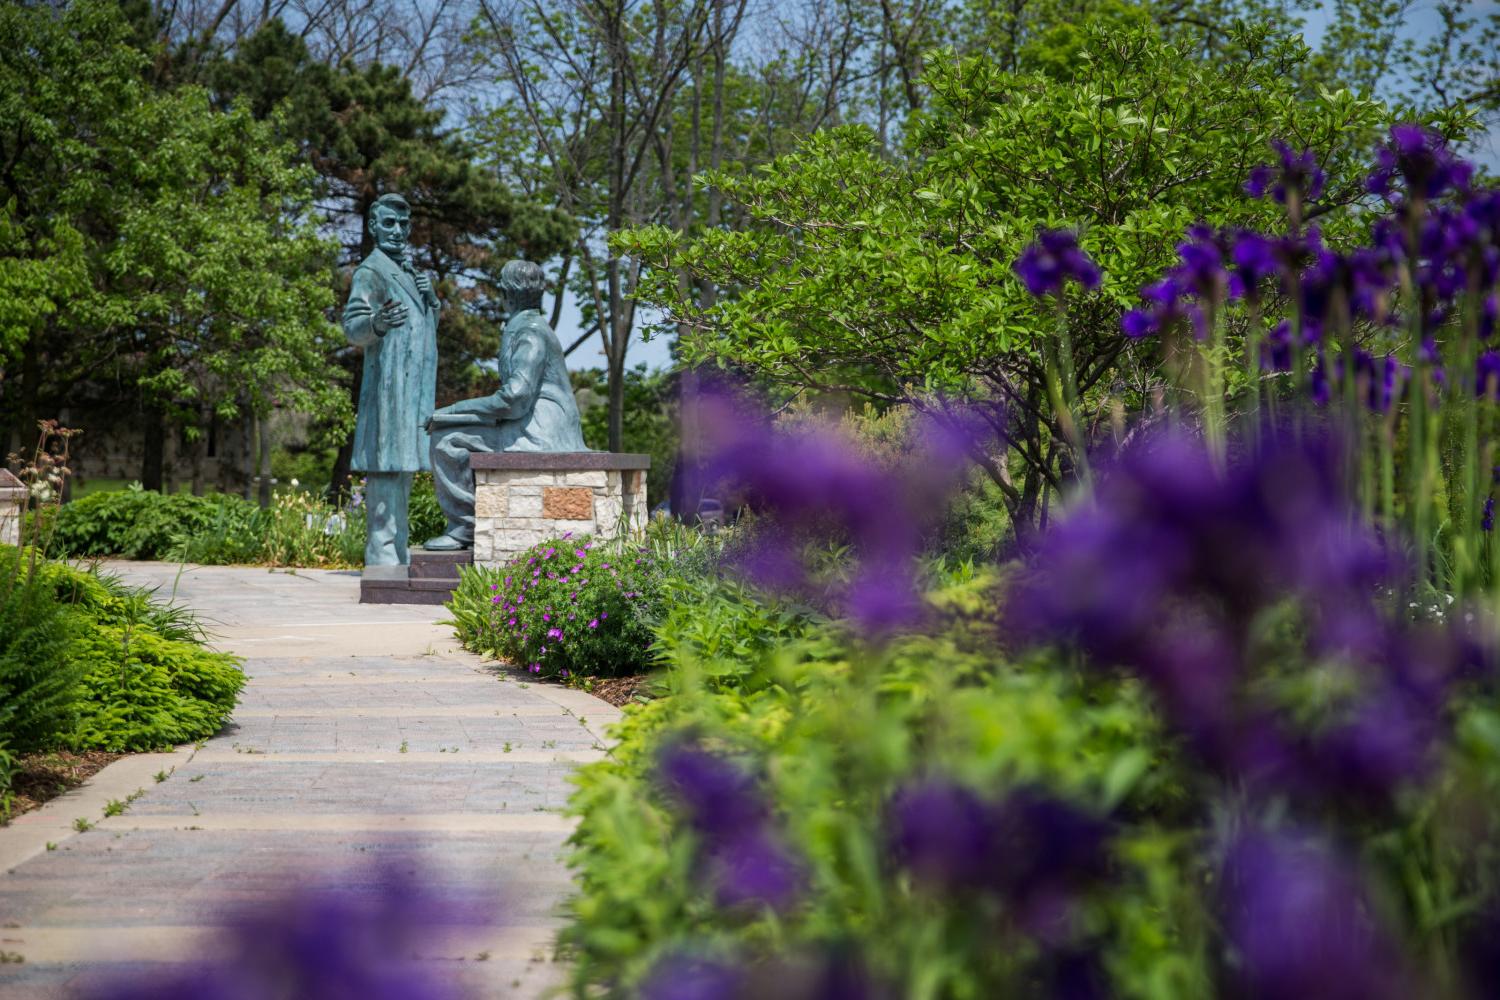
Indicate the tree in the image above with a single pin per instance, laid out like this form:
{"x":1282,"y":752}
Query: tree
{"x":161,"y":253}
{"x":892,"y":281}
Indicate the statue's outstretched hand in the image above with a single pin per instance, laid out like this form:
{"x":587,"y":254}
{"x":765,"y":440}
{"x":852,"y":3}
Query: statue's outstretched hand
{"x":388,"y":317}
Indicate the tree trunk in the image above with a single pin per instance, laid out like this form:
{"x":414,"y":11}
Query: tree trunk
{"x":263,"y":445}
{"x":153,"y":446}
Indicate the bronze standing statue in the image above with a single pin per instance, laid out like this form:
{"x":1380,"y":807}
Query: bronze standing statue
{"x":392,"y":313}
{"x":533,"y":410}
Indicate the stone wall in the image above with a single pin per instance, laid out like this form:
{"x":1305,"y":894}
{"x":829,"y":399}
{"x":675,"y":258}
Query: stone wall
{"x":12,"y":503}
{"x":523,"y":498}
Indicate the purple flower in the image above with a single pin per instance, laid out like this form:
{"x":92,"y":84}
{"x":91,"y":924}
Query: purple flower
{"x":1254,"y":259}
{"x":940,"y":832}
{"x":1423,"y":161}
{"x":754,"y":866}
{"x":1055,"y":258}
{"x":1165,"y":303}
{"x":1487,"y":374}
{"x":1029,"y":847}
{"x":1298,"y":172}
{"x":356,"y":937}
{"x":1301,"y":925}
{"x":687,"y":977}
{"x":1488,"y":522}
{"x":594,"y":623}
{"x":720,"y":798}
{"x":554,"y":633}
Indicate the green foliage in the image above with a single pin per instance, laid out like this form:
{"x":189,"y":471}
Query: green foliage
{"x":89,"y":662}
{"x":649,"y":422}
{"x":890,"y":277}
{"x":565,"y":608}
{"x":832,"y":727}
{"x":38,"y":675}
{"x":158,"y":250}
{"x":425,"y":519}
{"x":146,"y":692}
{"x":296,"y":530}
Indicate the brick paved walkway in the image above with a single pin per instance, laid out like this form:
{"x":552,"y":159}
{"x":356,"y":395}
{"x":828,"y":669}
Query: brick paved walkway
{"x":364,"y":732}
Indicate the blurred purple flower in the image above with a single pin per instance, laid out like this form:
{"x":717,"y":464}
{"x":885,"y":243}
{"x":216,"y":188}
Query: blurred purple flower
{"x":754,"y":867}
{"x":940,"y":832}
{"x":1300,"y":925}
{"x":1055,"y":258}
{"x":745,"y":859}
{"x":689,"y":977}
{"x":1422,"y":160}
{"x":1297,"y":172}
{"x":352,"y":940}
{"x":1487,"y":374}
{"x":816,"y":484}
{"x":1254,"y":260}
{"x":720,"y":798}
{"x":1033,"y":849}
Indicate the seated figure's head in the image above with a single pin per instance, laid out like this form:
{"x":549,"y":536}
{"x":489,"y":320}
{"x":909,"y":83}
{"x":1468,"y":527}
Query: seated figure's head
{"x":523,"y":284}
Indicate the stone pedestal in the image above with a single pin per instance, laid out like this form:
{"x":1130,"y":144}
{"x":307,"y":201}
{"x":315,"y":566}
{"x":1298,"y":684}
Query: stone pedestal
{"x":430,"y":579}
{"x":522,"y":498}
{"x":12,"y":508}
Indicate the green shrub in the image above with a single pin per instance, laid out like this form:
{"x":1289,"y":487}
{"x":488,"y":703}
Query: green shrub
{"x":830,"y":727}
{"x":566,"y":608}
{"x":146,"y":692}
{"x":216,"y":529}
{"x":38,"y":675}
{"x":424,"y":516}
{"x":90,"y":662}
{"x":300,"y":530}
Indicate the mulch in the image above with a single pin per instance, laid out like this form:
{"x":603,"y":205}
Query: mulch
{"x":43,"y":776}
{"x":621,"y":691}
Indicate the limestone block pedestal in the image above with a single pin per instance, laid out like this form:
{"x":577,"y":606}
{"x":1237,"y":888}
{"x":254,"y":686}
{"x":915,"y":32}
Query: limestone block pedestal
{"x":12,"y":508}
{"x":522,"y":498}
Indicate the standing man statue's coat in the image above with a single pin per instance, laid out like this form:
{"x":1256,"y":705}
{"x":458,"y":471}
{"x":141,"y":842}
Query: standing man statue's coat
{"x":392,"y":313}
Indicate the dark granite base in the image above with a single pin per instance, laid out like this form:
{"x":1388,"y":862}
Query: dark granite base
{"x":430,"y":579}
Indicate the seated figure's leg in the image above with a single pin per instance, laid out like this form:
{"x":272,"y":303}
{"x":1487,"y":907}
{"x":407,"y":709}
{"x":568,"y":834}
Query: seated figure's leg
{"x":385,"y":513}
{"x":454,"y":481}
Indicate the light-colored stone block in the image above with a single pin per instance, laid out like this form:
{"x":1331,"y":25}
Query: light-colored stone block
{"x":587,"y":477}
{"x":607,"y":511}
{"x":523,"y":505}
{"x":489,"y":501}
{"x":513,"y":540}
{"x":512,"y":477}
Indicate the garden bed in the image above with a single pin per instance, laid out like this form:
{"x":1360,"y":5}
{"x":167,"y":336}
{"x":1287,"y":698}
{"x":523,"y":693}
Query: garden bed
{"x":41,"y":777}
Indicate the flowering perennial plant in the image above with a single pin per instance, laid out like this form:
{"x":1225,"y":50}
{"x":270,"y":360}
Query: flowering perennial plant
{"x":570,"y":607}
{"x":1389,"y":337}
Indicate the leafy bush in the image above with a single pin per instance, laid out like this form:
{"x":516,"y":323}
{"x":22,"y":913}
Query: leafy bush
{"x":425,"y":517}
{"x":146,"y":692}
{"x":826,"y":730}
{"x":91,"y":662}
{"x":217,"y":529}
{"x":566,"y":608}
{"x":38,"y":674}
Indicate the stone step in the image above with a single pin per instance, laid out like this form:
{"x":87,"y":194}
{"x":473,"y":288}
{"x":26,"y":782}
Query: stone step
{"x":439,"y":565}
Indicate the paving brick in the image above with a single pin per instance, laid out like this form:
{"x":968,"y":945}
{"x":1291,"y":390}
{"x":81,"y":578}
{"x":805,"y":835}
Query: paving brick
{"x":310,"y":778}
